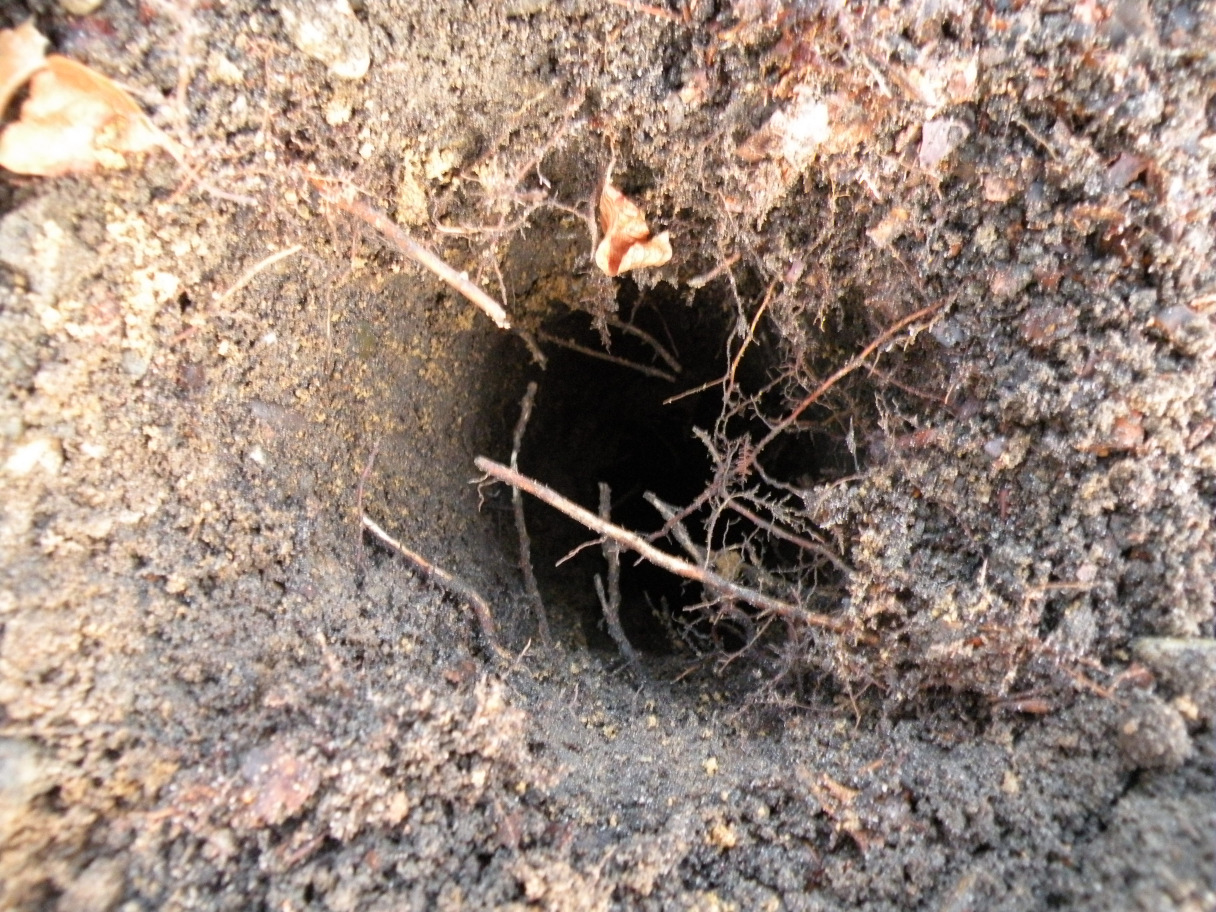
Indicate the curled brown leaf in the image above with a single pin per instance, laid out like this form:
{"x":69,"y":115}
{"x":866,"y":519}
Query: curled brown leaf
{"x":627,"y":242}
{"x":74,"y":120}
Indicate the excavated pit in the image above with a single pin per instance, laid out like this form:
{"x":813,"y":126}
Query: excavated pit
{"x":598,"y":421}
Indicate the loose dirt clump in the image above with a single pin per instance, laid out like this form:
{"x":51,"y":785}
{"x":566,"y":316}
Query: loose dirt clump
{"x":920,"y":412}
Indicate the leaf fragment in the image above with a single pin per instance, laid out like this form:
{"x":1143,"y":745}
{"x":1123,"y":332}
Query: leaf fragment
{"x":22,"y":53}
{"x":627,"y":242}
{"x":74,"y":120}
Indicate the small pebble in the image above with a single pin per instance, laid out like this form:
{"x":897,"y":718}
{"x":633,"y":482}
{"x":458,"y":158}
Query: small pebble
{"x":327,"y":30}
{"x":1152,"y":735}
{"x":38,"y":453}
{"x":135,"y":364}
{"x":1185,"y":667}
{"x":22,"y":777}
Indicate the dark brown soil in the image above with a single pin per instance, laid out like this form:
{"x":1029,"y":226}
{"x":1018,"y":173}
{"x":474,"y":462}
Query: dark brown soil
{"x":217,"y":693}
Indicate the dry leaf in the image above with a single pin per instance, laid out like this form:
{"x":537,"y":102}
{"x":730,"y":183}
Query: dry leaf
{"x":627,"y":242}
{"x":74,"y":120}
{"x":22,"y":52}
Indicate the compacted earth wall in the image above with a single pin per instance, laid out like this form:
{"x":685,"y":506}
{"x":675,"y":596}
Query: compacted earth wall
{"x":875,"y":344}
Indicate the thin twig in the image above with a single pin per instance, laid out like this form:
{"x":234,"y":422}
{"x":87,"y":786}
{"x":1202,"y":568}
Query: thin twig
{"x":604,"y":356}
{"x":517,"y":501}
{"x":668,"y":512}
{"x":449,"y":581}
{"x":827,"y":384}
{"x":253,"y":270}
{"x":648,"y":339}
{"x":803,"y":543}
{"x":416,"y":252}
{"x":611,"y":601}
{"x":662,"y":559}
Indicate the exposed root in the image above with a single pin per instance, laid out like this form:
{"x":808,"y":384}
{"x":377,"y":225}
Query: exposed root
{"x":253,"y":270}
{"x":447,"y":580}
{"x":415,"y":251}
{"x":885,"y":337}
{"x":805,"y":544}
{"x":650,"y":340}
{"x":517,"y":502}
{"x":610,"y":601}
{"x":604,"y":356}
{"x":712,"y":581}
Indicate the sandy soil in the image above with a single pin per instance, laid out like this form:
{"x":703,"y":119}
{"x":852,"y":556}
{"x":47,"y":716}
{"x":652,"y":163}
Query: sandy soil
{"x":216,"y":692}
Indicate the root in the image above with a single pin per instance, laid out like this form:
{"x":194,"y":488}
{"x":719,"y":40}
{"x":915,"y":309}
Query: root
{"x":885,"y":337}
{"x":447,"y":580}
{"x":525,"y":543}
{"x":604,"y":356}
{"x":251,"y":273}
{"x":650,"y":340}
{"x":416,"y":252}
{"x":610,"y":601}
{"x":805,"y":544}
{"x":714,"y":583}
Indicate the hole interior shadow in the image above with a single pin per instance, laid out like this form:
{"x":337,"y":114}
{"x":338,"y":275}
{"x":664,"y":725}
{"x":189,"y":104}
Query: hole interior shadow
{"x":600,"y":422}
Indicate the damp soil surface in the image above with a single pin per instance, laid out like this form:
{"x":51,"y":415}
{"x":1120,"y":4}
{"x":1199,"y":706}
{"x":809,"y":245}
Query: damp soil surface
{"x":929,"y":378}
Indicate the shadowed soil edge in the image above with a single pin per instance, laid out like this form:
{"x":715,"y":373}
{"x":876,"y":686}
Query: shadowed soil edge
{"x":216,"y":693}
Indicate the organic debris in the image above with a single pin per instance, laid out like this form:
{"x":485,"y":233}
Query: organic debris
{"x":74,"y":120}
{"x":627,"y":243}
{"x":22,"y":53}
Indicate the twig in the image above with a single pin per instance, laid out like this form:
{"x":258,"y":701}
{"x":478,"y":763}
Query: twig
{"x":449,"y":581}
{"x":669,"y":514}
{"x":803,"y":543}
{"x":706,"y":277}
{"x":648,"y":339}
{"x":253,"y":270}
{"x":517,"y":501}
{"x":604,"y":356}
{"x":611,"y":602}
{"x":416,"y":252}
{"x":827,"y":384}
{"x":662,"y":559}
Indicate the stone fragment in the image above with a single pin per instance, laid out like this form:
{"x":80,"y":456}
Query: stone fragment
{"x":1185,"y":667}
{"x":328,"y":31}
{"x":1152,"y":735}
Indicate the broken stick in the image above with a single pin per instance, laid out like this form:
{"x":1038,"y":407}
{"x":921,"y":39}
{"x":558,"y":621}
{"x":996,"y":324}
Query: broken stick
{"x":517,"y":501}
{"x":448,"y":580}
{"x":633,"y":542}
{"x":418,"y":253}
{"x":610,"y":601}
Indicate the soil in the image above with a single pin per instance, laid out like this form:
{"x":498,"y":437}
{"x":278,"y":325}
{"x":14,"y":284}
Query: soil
{"x":218,"y":692}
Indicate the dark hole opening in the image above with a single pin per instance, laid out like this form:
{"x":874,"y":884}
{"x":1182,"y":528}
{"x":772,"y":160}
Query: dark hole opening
{"x":596,"y":421}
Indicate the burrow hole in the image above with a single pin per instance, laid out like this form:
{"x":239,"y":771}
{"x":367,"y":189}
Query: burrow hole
{"x":596,"y":421}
